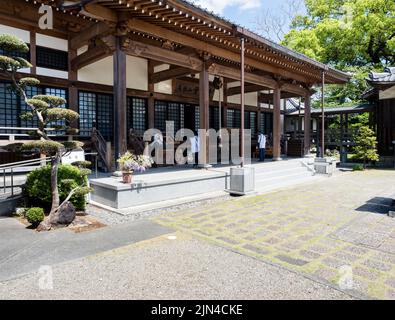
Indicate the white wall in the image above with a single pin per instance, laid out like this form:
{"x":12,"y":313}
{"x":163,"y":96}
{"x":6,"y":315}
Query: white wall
{"x":164,"y":86}
{"x":43,"y":40}
{"x":100,"y":72}
{"x":136,"y":73}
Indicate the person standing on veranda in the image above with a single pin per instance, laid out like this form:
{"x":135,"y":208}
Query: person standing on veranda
{"x":195,"y":148}
{"x":261,"y":146}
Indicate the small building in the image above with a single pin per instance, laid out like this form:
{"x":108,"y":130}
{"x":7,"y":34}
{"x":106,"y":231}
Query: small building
{"x":382,"y":96}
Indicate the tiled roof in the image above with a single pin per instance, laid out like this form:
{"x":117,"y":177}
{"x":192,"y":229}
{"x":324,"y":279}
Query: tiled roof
{"x":353,"y":109}
{"x":379,"y":77}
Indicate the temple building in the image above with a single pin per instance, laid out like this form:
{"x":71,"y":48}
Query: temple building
{"x":126,"y":66}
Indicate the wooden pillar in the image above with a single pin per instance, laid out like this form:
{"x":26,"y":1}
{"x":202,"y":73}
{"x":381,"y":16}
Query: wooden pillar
{"x":33,"y":54}
{"x":242,"y":100}
{"x":120,"y":123}
{"x":322,"y":155}
{"x":225,"y":104}
{"x":277,"y":124}
{"x":204,"y":101}
{"x":151,"y":98}
{"x":307,"y":123}
{"x":258,"y":112}
{"x":73,"y":90}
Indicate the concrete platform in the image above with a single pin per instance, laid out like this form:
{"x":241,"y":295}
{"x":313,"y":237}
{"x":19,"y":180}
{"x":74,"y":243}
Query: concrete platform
{"x":157,"y":185}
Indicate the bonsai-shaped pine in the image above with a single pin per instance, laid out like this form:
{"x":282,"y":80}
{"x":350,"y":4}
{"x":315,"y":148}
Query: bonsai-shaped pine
{"x":48,"y":111}
{"x":365,"y":147}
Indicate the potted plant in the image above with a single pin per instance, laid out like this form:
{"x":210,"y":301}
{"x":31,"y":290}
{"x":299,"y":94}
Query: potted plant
{"x":130,"y":163}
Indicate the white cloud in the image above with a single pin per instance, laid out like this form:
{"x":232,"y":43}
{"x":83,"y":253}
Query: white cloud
{"x":218,"y":6}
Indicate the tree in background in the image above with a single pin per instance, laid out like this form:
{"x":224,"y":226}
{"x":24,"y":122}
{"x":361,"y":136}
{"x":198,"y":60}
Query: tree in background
{"x":365,"y":145}
{"x":352,"y":35}
{"x":46,"y":108}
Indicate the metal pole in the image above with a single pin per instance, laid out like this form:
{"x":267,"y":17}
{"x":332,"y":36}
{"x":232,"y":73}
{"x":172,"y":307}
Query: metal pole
{"x":219,"y":109}
{"x":4,"y":181}
{"x":12,"y":182}
{"x":242,"y":40}
{"x":323,"y":115}
{"x":96,"y":165}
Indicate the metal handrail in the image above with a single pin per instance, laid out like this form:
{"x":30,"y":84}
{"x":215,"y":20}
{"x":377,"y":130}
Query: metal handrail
{"x":9,"y":168}
{"x":13,"y":165}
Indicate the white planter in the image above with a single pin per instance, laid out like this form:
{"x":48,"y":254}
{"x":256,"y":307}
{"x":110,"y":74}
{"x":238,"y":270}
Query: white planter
{"x":242,"y":180}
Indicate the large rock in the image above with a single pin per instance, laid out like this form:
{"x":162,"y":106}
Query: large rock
{"x":65,"y":215}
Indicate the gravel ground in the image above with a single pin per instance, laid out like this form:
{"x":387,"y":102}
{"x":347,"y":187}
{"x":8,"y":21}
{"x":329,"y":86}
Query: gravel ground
{"x":161,"y":268}
{"x":113,"y":218}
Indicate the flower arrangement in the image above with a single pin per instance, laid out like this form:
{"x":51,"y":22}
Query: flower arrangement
{"x":130,"y":162}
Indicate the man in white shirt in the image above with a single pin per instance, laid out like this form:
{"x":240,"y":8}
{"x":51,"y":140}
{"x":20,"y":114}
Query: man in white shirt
{"x":261,"y":146}
{"x":195,"y":148}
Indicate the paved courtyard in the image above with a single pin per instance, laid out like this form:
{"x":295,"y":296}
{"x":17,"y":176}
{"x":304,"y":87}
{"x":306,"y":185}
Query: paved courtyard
{"x":333,"y":231}
{"x":328,"y":239}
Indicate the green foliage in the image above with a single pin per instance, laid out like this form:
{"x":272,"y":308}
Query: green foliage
{"x":13,"y":147}
{"x":43,"y":146}
{"x":26,"y":116}
{"x":358,"y":167}
{"x":38,"y":185}
{"x":38,"y":104}
{"x":56,"y":114}
{"x":352,"y":35}
{"x":35,"y":216}
{"x":53,"y":101}
{"x":26,"y":82}
{"x":366,"y":143}
{"x":73,"y":145}
{"x":82,"y":164}
{"x":11,"y":43}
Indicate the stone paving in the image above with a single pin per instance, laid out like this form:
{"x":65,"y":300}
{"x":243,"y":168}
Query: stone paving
{"x":328,"y":230}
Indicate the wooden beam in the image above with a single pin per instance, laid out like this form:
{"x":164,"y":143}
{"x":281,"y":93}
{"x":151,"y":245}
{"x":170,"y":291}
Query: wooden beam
{"x":147,"y":51}
{"x":231,"y":73}
{"x":248,"y":88}
{"x":99,"y":12}
{"x":170,"y":74}
{"x":293,"y":88}
{"x":92,"y":55}
{"x":142,"y":26}
{"x":85,"y":36}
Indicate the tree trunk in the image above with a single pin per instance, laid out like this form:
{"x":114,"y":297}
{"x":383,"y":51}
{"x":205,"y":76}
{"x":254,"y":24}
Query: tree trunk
{"x":54,"y":184}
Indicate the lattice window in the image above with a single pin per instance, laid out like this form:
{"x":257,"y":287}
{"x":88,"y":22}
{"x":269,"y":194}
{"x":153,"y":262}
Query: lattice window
{"x":13,"y":106}
{"x":9,"y":111}
{"x":173,"y":114}
{"x":214,"y":118}
{"x":237,"y":119}
{"x":160,"y":115}
{"x":105,"y":110}
{"x":52,"y":59}
{"x":253,"y":116}
{"x":137,"y":114}
{"x":266,"y":123}
{"x":230,"y":113}
{"x":59,"y":92}
{"x":87,"y":111}
{"x":197,"y":118}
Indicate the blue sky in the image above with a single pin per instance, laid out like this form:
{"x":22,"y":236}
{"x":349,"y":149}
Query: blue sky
{"x":245,"y":12}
